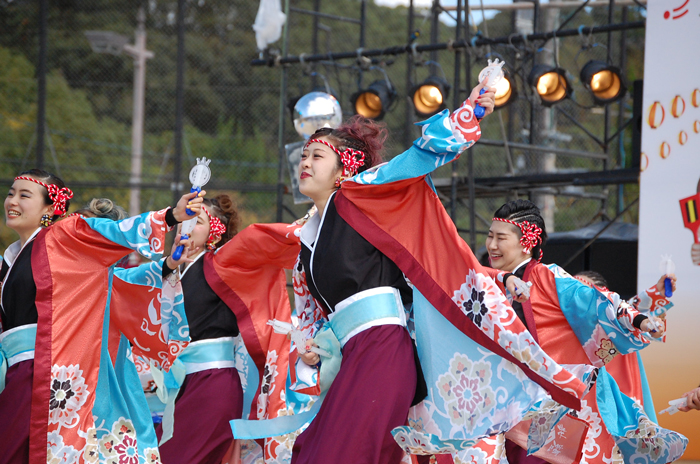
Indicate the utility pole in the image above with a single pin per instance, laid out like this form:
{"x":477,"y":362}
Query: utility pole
{"x":139,"y":53}
{"x":114,"y":44}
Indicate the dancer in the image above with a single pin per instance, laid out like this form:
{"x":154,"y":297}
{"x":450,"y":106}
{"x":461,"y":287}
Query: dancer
{"x":580,"y":324}
{"x":628,"y":369}
{"x":233,"y":285}
{"x":54,"y":302}
{"x":210,"y":394}
{"x":374,"y":232}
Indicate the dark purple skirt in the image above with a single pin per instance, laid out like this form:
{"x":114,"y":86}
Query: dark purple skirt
{"x":15,"y":410}
{"x":207,"y":401}
{"x":518,"y":455}
{"x":370,"y":396}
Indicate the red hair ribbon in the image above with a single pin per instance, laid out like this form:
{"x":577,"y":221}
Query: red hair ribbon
{"x":58,"y":195}
{"x":531,"y":234}
{"x":216,"y":230}
{"x":351,"y":159}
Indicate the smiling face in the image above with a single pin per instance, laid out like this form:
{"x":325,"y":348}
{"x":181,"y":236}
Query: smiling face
{"x":24,"y":206}
{"x":318,"y":170}
{"x":503,"y":246}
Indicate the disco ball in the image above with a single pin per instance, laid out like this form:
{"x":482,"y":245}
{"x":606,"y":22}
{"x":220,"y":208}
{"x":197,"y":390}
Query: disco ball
{"x":314,"y":111}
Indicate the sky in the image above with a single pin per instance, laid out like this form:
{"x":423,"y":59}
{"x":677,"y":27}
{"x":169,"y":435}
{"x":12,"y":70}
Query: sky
{"x":476,"y":14}
{"x":445,"y":18}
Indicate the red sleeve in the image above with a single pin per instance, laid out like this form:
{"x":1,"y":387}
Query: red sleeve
{"x":259,"y":245}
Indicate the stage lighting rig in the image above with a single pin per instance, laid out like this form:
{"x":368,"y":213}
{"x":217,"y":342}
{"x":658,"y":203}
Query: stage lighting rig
{"x":604,"y":82}
{"x":550,"y":83}
{"x":430,"y":95}
{"x":505,"y":92}
{"x":374,"y":101}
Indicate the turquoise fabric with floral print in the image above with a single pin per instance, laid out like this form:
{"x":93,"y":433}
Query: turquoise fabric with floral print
{"x":640,"y":440}
{"x":472,"y":392}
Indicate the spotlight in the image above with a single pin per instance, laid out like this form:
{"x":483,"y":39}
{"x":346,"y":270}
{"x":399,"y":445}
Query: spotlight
{"x":505,"y":92}
{"x":429,"y":97}
{"x":551,"y":83}
{"x":375,"y":100}
{"x":604,"y":82}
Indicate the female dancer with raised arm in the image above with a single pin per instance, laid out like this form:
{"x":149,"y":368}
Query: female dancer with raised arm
{"x":54,"y":278}
{"x":233,"y":285}
{"x":210,"y":395}
{"x":382,"y":240}
{"x":581,"y":324}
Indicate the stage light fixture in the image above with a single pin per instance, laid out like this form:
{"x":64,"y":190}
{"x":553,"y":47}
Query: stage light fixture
{"x":374,"y":101}
{"x":604,"y":82}
{"x":505,"y":92}
{"x":550,"y":83}
{"x":429,"y":96}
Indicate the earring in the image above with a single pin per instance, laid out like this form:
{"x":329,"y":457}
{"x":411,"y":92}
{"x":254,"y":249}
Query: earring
{"x":338,"y":181}
{"x":45,"y":220}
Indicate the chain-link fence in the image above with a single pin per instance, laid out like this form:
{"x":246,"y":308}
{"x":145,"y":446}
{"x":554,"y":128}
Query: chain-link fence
{"x":231,"y":109}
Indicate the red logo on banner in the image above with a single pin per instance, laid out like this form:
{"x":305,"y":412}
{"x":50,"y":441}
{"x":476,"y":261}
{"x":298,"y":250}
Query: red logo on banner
{"x":677,"y":12}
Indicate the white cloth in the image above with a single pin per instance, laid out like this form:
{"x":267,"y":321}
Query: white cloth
{"x":268,"y":23}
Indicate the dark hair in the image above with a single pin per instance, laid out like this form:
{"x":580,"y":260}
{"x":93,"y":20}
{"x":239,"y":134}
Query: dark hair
{"x":521,"y":211}
{"x":103,"y":208}
{"x":47,"y":178}
{"x":358,"y":133}
{"x":595,"y":277}
{"x":223,"y":208}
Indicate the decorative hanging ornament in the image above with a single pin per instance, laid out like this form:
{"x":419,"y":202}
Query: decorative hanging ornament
{"x":314,"y":111}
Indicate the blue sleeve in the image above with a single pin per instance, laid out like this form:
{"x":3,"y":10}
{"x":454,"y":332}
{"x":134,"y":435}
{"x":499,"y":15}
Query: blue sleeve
{"x":438,"y":145}
{"x":148,"y":274}
{"x":595,"y":318}
{"x":144,"y":234}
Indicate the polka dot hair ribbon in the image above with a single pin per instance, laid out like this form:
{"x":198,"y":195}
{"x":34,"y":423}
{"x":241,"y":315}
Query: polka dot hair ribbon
{"x":216,"y":230}
{"x":531,"y":234}
{"x":58,"y":195}
{"x":351,"y":159}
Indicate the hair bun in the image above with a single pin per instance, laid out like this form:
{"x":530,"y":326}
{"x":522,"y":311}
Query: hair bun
{"x":369,"y":133}
{"x":224,"y":209}
{"x":104,"y":208}
{"x":225,"y":203}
